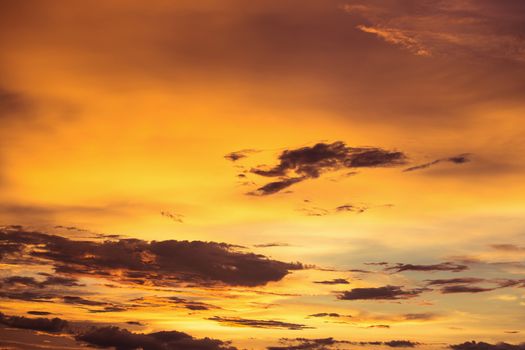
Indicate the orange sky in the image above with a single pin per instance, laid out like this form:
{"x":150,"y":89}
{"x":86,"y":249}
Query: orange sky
{"x":394,"y":128}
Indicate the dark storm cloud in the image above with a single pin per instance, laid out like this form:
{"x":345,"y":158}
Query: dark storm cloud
{"x":459,"y":159}
{"x":304,"y":163}
{"x":157,"y":261}
{"x":445,"y":266}
{"x":244,"y":322}
{"x":54,"y":325}
{"x":334,"y":281}
{"x":380,"y":293}
{"x":473,"y":345}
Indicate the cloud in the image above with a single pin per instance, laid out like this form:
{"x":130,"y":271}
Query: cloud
{"x":54,"y":325}
{"x":508,"y":247}
{"x":464,"y":289}
{"x":472,"y":345}
{"x":461,"y":280}
{"x":173,"y":216}
{"x":400,"y":344}
{"x":469,"y":284}
{"x":14,"y":104}
{"x":398,"y":37}
{"x":118,"y":338}
{"x":334,"y":281}
{"x":276,"y":186}
{"x":379,"y":293}
{"x":235,"y":156}
{"x":161,"y":262}
{"x":272,"y":244}
{"x":32,"y":282}
{"x":430,"y":28}
{"x":445,"y":266}
{"x":306,"y":344}
{"x":304,"y":163}
{"x":325,"y":314}
{"x":39,"y":313}
{"x":331,"y":343}
{"x":123,"y":339}
{"x":191,"y":304}
{"x":344,"y":208}
{"x":244,"y":322}
{"x":459,"y":159}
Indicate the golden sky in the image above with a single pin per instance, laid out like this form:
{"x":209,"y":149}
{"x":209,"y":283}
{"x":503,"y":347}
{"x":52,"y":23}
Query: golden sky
{"x":266,"y":175}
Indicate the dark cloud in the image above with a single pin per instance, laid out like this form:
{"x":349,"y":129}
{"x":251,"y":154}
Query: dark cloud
{"x":379,"y":293}
{"x":310,"y":162}
{"x":76,"y":300}
{"x":400,"y":344}
{"x":191,"y":304}
{"x":173,"y":216}
{"x":325,"y":314}
{"x":463,"y":280}
{"x":331,"y":343}
{"x":470,"y":284}
{"x":118,"y":338}
{"x":334,"y":281}
{"x":306,"y":344}
{"x":54,"y":325}
{"x":270,"y":245}
{"x":459,"y":159}
{"x":32,"y":282}
{"x":464,"y":289}
{"x":276,"y":186}
{"x":345,"y":208}
{"x":235,"y":156}
{"x":39,"y":313}
{"x":244,"y":322}
{"x":123,"y":339}
{"x":445,"y":266}
{"x":472,"y":345}
{"x":351,"y":207}
{"x":157,"y":261}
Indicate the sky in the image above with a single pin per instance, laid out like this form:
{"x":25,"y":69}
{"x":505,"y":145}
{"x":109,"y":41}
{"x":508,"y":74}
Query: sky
{"x":262,"y":175}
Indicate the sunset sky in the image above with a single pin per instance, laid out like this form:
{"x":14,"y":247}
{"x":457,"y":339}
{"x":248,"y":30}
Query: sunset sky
{"x":263,"y":175}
